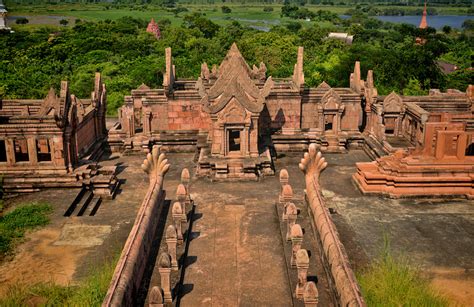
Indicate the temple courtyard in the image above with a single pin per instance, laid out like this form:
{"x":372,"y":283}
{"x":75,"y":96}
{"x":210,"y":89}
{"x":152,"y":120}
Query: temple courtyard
{"x":237,"y":253}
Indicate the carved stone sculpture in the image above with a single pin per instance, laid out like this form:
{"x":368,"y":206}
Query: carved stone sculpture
{"x":165,"y":271}
{"x":296,"y":241}
{"x":287,"y":197}
{"x":177,"y":213}
{"x":171,"y":241}
{"x":310,"y":295}
{"x":156,"y":297}
{"x":302,"y":264}
{"x":291,"y":213}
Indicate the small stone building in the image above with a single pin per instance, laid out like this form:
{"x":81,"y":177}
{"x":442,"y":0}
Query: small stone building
{"x":52,"y":142}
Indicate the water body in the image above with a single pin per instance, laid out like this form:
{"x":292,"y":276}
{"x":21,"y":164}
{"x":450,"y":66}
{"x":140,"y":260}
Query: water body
{"x":436,"y":22}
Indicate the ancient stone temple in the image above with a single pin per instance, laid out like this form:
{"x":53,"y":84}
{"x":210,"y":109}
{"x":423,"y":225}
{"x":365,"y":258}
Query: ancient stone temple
{"x":52,"y":142}
{"x":237,"y":117}
{"x":154,"y":29}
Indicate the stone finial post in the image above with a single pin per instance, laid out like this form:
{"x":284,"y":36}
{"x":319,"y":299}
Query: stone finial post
{"x":302,"y":264}
{"x":181,"y":196}
{"x":296,"y":241}
{"x":165,"y":272}
{"x":310,"y":295}
{"x":287,"y":197}
{"x":171,"y":241}
{"x":291,"y":213}
{"x":156,"y":297}
{"x":284,"y":179}
{"x":177,"y":213}
{"x":185,"y":179}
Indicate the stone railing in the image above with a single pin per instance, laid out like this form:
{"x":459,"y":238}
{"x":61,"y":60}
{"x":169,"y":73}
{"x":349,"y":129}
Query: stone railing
{"x":131,"y":265}
{"x":345,"y":282}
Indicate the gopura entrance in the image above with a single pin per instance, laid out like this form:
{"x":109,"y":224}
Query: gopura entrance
{"x":234,"y":103}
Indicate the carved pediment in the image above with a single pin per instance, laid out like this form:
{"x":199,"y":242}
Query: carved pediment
{"x":331,"y":100}
{"x":143,"y":87}
{"x":393,"y":103}
{"x":233,"y":113}
{"x":51,"y":104}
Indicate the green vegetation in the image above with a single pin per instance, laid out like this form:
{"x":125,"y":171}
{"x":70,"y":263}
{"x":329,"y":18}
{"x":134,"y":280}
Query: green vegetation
{"x":90,"y":291}
{"x":14,"y":224}
{"x":104,"y":38}
{"x":391,"y":281}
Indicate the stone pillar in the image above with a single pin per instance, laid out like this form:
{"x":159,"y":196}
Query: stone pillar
{"x":156,"y":297}
{"x":310,"y":295}
{"x":302,"y":264}
{"x":291,"y":213}
{"x":177,"y":216}
{"x":164,"y":269}
{"x":284,"y":179}
{"x":287,"y":197}
{"x":181,"y":196}
{"x":32,"y":155}
{"x":10,"y":147}
{"x":171,"y":241}
{"x":146,"y":122}
{"x":185,"y":179}
{"x":296,"y":241}
{"x":254,"y":137}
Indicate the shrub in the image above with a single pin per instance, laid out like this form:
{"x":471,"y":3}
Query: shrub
{"x":226,"y":9}
{"x":22,"y":21}
{"x":63,"y":22}
{"x":268,"y":9}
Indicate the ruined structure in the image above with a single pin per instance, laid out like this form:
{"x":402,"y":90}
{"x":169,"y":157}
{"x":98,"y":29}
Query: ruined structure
{"x":54,"y":142}
{"x":431,"y":142}
{"x":154,"y":29}
{"x":236,"y":116}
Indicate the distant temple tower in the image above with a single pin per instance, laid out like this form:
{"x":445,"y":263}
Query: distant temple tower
{"x":3,"y":17}
{"x":154,"y":29}
{"x":423,"y":25}
{"x":423,"y":22}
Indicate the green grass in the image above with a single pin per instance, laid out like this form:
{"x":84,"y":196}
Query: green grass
{"x":391,"y":281}
{"x":90,"y":291}
{"x":14,"y":224}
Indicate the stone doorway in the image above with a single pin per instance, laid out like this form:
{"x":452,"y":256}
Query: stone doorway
{"x":233,"y":141}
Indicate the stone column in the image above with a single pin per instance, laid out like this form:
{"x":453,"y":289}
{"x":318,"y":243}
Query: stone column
{"x":10,"y":148}
{"x":171,"y":241}
{"x":287,"y":197}
{"x":296,"y":241}
{"x":310,"y":295}
{"x":177,"y":216}
{"x":32,"y":155}
{"x":164,"y":269}
{"x":302,"y":264}
{"x":291,"y":213}
{"x":156,"y":297}
{"x":181,"y":196}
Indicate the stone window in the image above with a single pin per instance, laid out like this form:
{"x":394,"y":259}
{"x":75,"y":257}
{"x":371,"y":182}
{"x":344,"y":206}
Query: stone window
{"x":470,"y":149}
{"x":389,"y":123}
{"x":234,"y":140}
{"x":21,"y":150}
{"x":43,"y":150}
{"x":3,"y":151}
{"x":328,"y":119}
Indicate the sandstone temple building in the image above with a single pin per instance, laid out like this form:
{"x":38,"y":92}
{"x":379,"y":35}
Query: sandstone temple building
{"x":237,"y":119}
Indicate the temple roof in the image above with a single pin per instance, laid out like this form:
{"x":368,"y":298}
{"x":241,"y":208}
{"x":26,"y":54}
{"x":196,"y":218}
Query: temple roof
{"x":234,"y":79}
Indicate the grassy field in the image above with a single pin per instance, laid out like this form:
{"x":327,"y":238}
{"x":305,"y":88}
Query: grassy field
{"x":247,"y":14}
{"x":14,"y":224}
{"x":89,"y":292}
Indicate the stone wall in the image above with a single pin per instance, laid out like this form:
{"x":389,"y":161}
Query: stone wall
{"x":131,"y":265}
